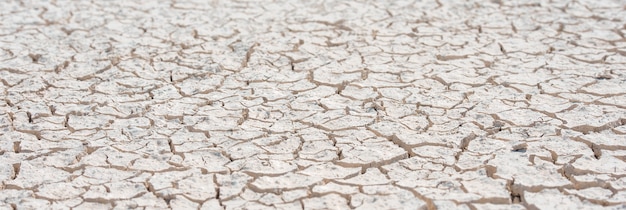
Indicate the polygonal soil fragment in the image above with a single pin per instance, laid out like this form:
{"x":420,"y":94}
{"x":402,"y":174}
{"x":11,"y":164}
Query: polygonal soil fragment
{"x":285,"y":182}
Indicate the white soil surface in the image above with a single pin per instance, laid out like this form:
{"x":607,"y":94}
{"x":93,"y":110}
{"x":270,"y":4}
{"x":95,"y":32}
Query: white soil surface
{"x":325,"y":105}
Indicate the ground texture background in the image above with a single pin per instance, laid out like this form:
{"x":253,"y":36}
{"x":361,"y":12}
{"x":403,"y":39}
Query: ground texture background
{"x":335,"y":104}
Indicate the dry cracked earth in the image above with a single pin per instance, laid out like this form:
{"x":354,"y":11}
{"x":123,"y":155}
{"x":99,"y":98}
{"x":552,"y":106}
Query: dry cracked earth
{"x":313,"y":105}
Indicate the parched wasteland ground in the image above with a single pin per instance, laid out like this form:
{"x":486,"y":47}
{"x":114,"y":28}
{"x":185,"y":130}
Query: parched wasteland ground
{"x":324,"y":105}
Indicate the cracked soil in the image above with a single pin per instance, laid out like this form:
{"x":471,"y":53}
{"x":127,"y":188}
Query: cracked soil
{"x":162,"y":104}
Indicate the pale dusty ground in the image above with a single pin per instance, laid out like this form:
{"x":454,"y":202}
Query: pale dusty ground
{"x":290,"y":105}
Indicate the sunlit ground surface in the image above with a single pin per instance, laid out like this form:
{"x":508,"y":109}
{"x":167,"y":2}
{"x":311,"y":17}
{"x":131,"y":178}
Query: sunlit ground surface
{"x":330,"y":105}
